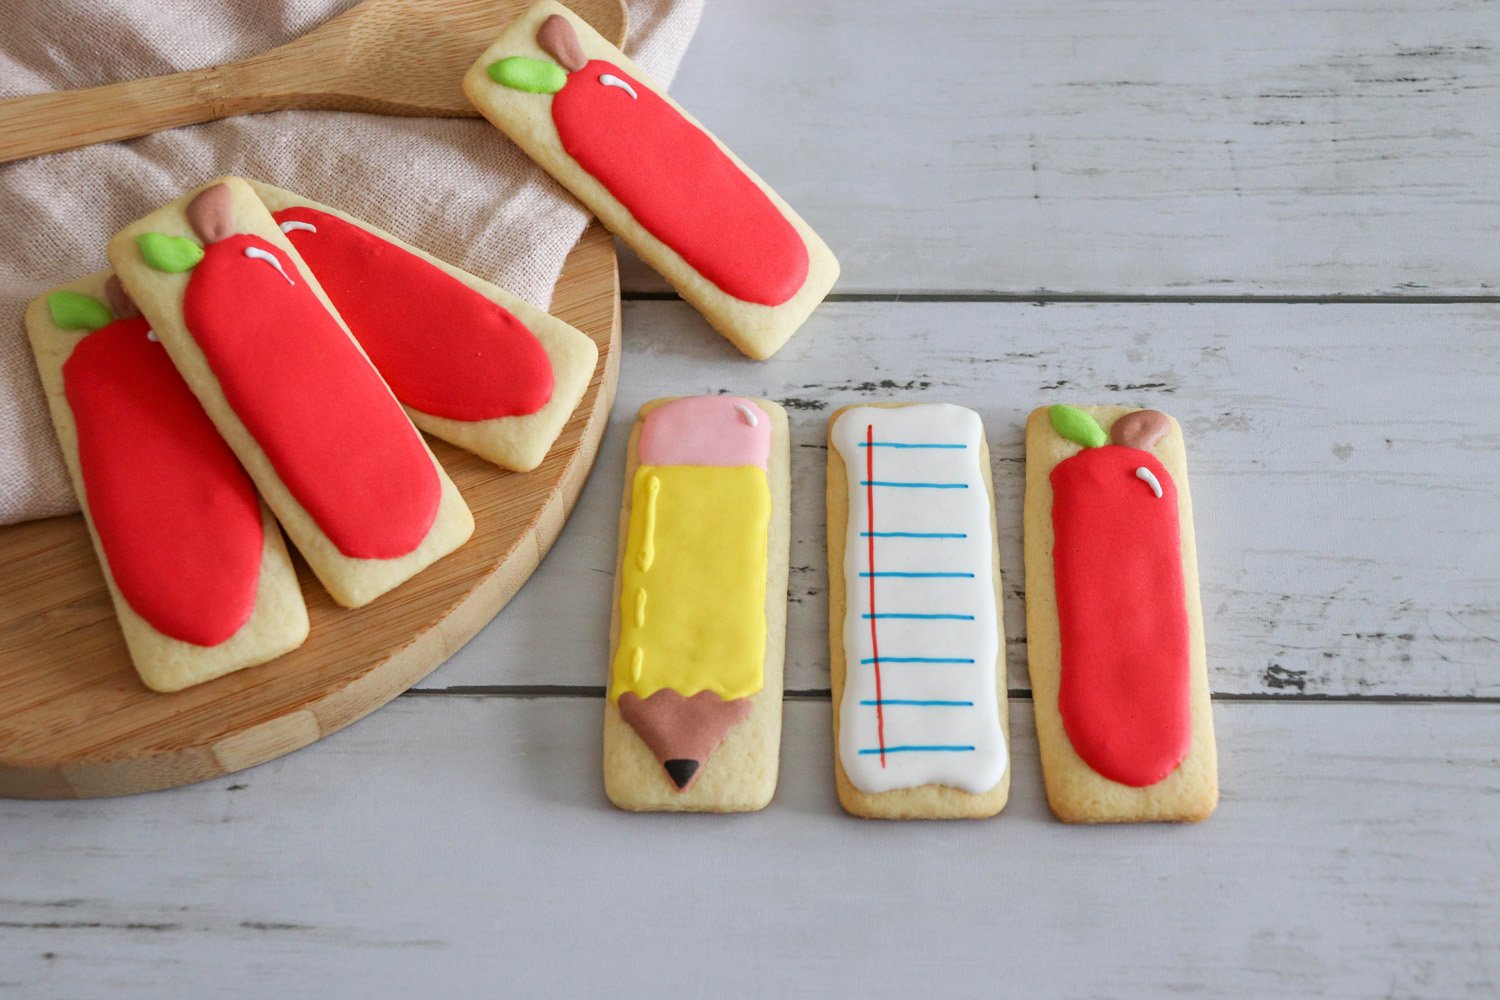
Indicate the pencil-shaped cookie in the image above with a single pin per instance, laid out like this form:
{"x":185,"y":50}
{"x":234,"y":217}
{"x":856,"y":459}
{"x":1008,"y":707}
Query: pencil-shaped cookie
{"x":693,"y":717}
{"x":656,"y":178}
{"x":1113,"y":619}
{"x":326,"y":443}
{"x":196,"y":568}
{"x":472,"y":364}
{"x":914,"y":624}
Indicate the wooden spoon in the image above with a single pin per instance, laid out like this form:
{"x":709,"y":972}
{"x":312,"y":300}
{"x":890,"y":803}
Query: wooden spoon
{"x":390,"y":57}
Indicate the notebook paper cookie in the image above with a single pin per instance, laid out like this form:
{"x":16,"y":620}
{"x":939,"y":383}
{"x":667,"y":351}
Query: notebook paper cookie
{"x":920,"y":725}
{"x":660,"y":182}
{"x":195,"y":565}
{"x":1114,"y":622}
{"x":693,"y":714}
{"x":327,"y":445}
{"x":473,"y":364}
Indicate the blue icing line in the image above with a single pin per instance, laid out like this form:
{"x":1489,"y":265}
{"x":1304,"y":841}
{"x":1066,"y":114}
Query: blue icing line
{"x":913,"y":534}
{"x":931,"y":748}
{"x":916,"y":659}
{"x":960,"y":576}
{"x":913,"y":486}
{"x":906,"y":444}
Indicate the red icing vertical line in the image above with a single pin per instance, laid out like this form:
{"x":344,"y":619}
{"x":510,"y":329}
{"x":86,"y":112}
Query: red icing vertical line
{"x":1122,"y":613}
{"x":176,"y":516}
{"x":678,"y":184}
{"x":870,"y":530}
{"x":443,"y":348}
{"x":329,"y":426}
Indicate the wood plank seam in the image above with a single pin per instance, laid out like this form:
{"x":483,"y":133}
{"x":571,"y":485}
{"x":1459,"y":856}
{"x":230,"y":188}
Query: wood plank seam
{"x":532,"y":691}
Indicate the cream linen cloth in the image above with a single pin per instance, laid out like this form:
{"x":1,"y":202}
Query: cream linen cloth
{"x":456,"y":188}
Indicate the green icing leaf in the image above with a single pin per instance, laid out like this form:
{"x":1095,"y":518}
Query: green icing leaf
{"x":73,"y":311}
{"x":1077,"y":426}
{"x":531,"y":75}
{"x":172,"y":254}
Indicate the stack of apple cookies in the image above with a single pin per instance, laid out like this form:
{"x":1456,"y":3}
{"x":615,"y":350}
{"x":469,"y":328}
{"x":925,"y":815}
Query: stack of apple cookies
{"x":256,"y":359}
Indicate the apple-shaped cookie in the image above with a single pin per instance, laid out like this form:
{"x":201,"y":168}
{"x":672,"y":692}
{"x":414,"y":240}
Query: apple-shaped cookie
{"x":176,"y":515}
{"x":671,"y":175}
{"x":1121,"y":604}
{"x":313,"y":403}
{"x":443,"y":348}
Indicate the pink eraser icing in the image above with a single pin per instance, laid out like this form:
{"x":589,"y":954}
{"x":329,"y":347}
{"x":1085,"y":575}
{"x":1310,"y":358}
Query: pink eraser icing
{"x":706,"y":430}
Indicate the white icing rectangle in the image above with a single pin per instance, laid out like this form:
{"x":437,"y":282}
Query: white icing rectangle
{"x":920,"y":589}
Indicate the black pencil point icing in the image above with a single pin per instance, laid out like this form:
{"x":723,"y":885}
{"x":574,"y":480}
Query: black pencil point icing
{"x":681,"y":771}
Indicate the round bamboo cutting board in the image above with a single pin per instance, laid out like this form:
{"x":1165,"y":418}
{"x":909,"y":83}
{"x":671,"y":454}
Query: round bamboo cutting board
{"x":75,"y":720}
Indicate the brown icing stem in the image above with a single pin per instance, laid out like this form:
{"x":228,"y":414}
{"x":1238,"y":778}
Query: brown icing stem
{"x":557,"y":37}
{"x":211,"y":213}
{"x":682,"y":732}
{"x":120,"y":302}
{"x":1140,"y":429}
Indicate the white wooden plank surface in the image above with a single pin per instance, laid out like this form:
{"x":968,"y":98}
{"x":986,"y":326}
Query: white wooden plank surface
{"x":1344,"y":460}
{"x":462,"y":846}
{"x":1223,"y":147}
{"x":1346,"y":464}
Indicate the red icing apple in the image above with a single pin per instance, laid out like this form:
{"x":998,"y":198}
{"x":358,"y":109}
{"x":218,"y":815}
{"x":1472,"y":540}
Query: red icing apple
{"x":1121,"y":604}
{"x":672,"y":176}
{"x":176,"y":516}
{"x":443,"y":348}
{"x":305,"y":393}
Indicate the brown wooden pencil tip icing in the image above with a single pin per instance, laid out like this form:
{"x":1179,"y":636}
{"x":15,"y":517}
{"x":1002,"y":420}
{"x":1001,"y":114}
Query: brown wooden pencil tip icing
{"x":682,"y":732}
{"x":211,"y":213}
{"x":1141,"y":429}
{"x":560,"y":41}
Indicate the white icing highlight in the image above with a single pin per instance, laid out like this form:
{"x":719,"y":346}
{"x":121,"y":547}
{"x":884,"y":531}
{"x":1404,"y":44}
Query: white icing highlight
{"x":293,"y":225}
{"x":936,"y":624}
{"x":256,"y":253}
{"x":610,"y":80}
{"x":748,"y":414}
{"x":1148,"y":477}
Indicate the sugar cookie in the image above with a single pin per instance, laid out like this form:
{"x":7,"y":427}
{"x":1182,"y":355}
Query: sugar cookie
{"x":473,"y":364}
{"x":693,"y":715}
{"x":914,"y":626}
{"x":196,"y":568}
{"x":1114,"y":623}
{"x":327,"y":445}
{"x":660,"y":182}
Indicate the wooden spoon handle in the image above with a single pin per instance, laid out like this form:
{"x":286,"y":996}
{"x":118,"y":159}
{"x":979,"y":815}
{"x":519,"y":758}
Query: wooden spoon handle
{"x":47,"y":123}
